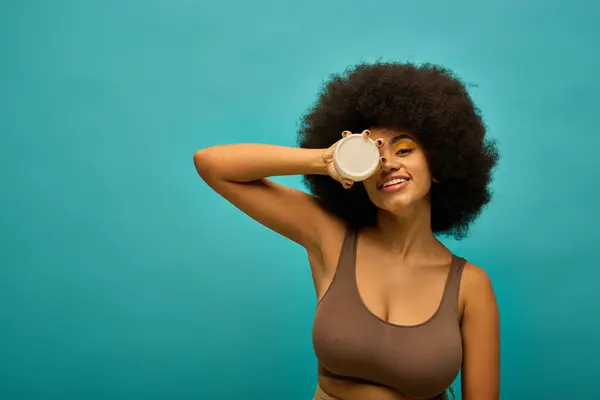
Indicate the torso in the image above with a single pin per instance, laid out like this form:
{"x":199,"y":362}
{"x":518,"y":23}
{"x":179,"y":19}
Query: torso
{"x":391,"y":296}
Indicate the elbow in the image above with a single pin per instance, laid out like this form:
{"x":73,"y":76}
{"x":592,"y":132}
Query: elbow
{"x":203,"y":162}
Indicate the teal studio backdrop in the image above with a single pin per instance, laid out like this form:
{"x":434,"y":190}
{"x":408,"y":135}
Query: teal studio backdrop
{"x":122,"y":276}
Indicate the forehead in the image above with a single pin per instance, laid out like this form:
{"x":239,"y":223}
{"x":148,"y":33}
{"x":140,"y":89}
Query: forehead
{"x":391,"y":136}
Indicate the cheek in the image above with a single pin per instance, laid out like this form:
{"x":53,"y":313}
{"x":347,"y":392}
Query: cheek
{"x":422,"y":178}
{"x":422,"y":174}
{"x":417,"y":166}
{"x":419,"y":170}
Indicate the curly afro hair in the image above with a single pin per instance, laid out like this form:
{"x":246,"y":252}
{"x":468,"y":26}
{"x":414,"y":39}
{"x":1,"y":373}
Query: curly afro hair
{"x":426,"y":100}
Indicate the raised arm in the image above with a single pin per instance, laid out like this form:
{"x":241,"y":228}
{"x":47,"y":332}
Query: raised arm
{"x":240,"y":174}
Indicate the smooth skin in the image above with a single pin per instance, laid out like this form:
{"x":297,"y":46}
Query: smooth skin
{"x":401,"y":266}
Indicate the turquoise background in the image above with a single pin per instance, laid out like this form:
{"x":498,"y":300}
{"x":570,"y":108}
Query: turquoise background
{"x":122,"y":276}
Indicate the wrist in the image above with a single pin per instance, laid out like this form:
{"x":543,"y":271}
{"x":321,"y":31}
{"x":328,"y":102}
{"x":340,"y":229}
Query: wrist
{"x":319,"y":161}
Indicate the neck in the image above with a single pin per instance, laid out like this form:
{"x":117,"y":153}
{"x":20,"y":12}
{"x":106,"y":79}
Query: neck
{"x":408,"y":233}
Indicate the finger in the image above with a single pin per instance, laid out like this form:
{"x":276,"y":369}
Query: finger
{"x":379,"y":142}
{"x":347,"y":183}
{"x":346,"y":133}
{"x":366,"y":133}
{"x":381,"y":166}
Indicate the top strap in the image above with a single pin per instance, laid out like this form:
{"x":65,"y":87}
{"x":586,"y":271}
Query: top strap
{"x":452,"y":289}
{"x":347,"y":257}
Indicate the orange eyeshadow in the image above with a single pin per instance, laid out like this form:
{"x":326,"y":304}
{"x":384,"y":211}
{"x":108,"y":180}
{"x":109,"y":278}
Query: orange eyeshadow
{"x":404,"y":144}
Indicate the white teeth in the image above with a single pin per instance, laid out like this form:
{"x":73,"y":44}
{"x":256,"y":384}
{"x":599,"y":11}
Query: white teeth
{"x":394,"y":182}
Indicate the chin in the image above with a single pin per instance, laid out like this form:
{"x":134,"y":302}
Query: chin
{"x":395,"y":204}
{"x":398,"y":208}
{"x":398,"y":203}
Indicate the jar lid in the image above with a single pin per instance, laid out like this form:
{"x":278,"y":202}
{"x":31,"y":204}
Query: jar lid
{"x":356,"y":157}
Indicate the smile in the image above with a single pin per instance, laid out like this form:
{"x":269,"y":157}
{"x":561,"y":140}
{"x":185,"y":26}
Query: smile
{"x":395,"y":184}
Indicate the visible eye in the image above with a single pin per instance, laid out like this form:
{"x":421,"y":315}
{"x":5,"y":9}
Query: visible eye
{"x":404,"y":148}
{"x":404,"y":151}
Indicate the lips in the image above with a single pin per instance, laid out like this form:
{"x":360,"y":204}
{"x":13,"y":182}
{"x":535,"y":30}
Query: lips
{"x":394,"y":183}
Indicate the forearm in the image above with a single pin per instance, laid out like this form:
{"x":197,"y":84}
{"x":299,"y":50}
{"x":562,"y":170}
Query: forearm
{"x":250,"y":162}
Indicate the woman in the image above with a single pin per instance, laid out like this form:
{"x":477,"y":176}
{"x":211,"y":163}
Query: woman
{"x":398,"y":314}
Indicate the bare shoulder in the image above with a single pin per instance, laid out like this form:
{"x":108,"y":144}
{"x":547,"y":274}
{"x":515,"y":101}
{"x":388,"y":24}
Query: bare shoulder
{"x":324,"y":260}
{"x":329,"y":246}
{"x":476,"y":279}
{"x":477,"y":290}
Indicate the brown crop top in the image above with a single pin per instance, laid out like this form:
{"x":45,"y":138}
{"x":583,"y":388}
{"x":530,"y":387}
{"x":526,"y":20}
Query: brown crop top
{"x":350,"y":342}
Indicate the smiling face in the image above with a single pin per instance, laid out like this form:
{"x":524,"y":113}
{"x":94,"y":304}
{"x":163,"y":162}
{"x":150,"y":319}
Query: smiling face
{"x":404,"y":179}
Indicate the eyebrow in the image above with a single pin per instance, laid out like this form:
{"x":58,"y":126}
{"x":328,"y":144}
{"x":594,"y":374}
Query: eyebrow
{"x":400,"y":137}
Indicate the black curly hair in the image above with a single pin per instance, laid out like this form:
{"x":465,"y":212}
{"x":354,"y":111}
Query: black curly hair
{"x":426,"y":100}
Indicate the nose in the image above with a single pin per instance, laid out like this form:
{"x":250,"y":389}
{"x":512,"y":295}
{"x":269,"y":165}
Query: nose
{"x":389,"y":165}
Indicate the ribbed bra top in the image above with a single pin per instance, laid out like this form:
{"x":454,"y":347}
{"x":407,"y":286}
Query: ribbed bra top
{"x":351,"y":342}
